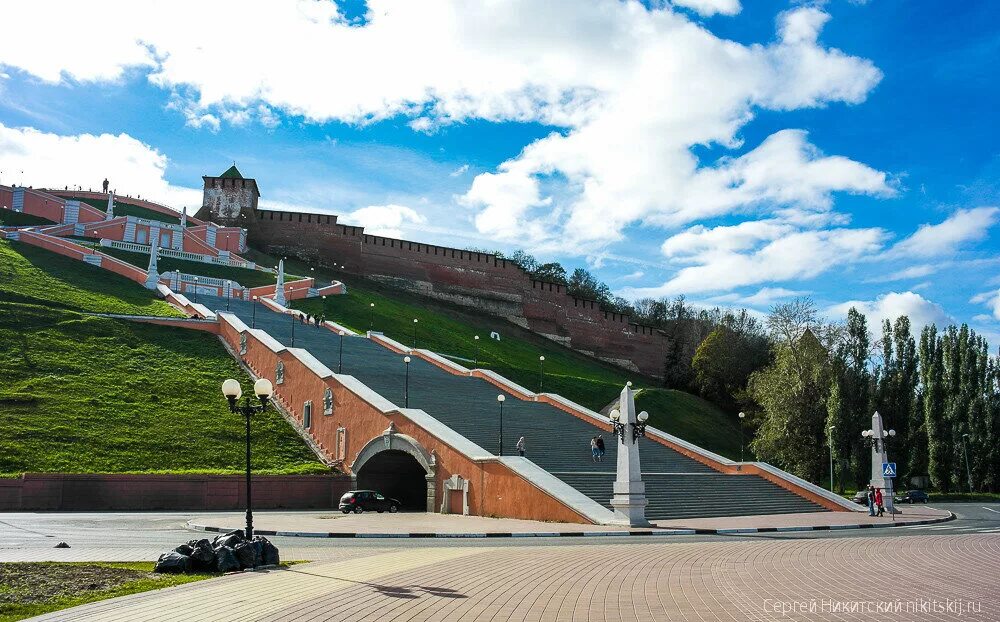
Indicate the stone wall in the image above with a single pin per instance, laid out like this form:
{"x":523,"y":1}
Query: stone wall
{"x":476,"y":280}
{"x":228,"y":202}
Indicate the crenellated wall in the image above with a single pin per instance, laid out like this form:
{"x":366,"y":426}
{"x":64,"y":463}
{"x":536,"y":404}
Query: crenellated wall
{"x":476,"y":280}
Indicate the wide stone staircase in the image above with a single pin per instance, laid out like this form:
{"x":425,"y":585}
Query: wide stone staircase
{"x":676,"y":486}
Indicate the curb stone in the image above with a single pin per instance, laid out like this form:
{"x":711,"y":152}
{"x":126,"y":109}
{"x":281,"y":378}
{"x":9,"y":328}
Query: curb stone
{"x":573,"y":534}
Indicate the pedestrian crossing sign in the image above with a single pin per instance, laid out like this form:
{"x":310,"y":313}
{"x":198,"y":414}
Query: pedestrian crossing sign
{"x":888,"y":469}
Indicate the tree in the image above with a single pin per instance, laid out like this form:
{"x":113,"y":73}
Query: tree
{"x":552,"y":272}
{"x":932,"y":398}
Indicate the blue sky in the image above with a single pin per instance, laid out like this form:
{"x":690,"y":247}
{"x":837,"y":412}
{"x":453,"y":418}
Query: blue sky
{"x":738,"y":153}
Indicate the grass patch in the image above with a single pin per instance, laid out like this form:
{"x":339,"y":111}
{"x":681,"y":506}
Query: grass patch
{"x":31,"y":589}
{"x":693,"y":419}
{"x":243,"y":276}
{"x":85,"y":394}
{"x":11,"y":218}
{"x":34,"y":275}
{"x":124,"y":208}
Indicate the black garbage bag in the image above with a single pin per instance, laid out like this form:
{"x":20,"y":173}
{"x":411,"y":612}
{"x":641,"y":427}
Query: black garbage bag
{"x":173,"y":563}
{"x":184,"y":549}
{"x":225,"y":560}
{"x":230,"y":539}
{"x":202,"y":556}
{"x":268,"y":552}
{"x":246,"y":554}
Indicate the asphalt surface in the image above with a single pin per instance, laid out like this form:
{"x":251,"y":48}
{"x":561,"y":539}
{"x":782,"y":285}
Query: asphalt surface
{"x":33,"y":535}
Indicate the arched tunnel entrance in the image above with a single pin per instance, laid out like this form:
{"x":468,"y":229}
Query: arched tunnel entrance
{"x":398,"y":475}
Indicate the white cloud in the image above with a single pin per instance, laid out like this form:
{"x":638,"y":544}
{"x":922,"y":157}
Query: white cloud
{"x":894,"y":304}
{"x":459,"y":171}
{"x":769,"y":295}
{"x":630,"y":88}
{"x":945,"y":238}
{"x":913,"y":272}
{"x":385,"y":220}
{"x":991,"y":299}
{"x":744,"y":236}
{"x":52,"y":160}
{"x":799,"y":255}
{"x":707,"y":8}
{"x":633,"y":276}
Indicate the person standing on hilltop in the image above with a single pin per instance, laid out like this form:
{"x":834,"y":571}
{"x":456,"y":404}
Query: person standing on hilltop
{"x":105,"y":185}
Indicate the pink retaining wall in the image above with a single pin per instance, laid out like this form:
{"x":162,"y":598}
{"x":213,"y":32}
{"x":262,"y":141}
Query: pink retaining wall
{"x":88,"y":492}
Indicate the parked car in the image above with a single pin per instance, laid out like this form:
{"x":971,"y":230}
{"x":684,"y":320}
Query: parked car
{"x":861,"y":497}
{"x":358,"y":501}
{"x":912,"y":496}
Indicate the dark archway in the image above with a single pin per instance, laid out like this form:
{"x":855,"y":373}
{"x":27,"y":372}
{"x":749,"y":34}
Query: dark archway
{"x":396,"y":474}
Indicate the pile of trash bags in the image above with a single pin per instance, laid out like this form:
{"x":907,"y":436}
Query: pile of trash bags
{"x":225,"y":553}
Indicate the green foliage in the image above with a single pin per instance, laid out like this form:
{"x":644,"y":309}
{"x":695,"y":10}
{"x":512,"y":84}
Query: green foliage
{"x":243,"y":276}
{"x":34,"y":275}
{"x":85,"y":394}
{"x":11,"y":218}
{"x":693,"y":419}
{"x":32,"y":589}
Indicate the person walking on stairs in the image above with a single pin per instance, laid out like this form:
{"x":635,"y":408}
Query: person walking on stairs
{"x":600,"y":448}
{"x":520,"y":446}
{"x":594,"y":450}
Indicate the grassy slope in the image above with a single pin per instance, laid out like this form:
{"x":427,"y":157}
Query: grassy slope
{"x":243,"y":276}
{"x":695,"y":420}
{"x":123,"y":208}
{"x":85,"y":394}
{"x":34,"y":275}
{"x":11,"y":611}
{"x":18,"y":219}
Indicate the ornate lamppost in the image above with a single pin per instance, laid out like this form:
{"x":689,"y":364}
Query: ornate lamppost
{"x":743,"y":441}
{"x":263,"y":390}
{"x":371,"y":317}
{"x":541,"y":373}
{"x":877,"y":438}
{"x":340,"y":365}
{"x":253,"y":319}
{"x":500,"y":400}
{"x":629,"y":500}
{"x":195,"y":290}
{"x":414,"y":332}
{"x":476,"y":339}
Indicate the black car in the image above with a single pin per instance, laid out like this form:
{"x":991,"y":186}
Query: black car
{"x":861,"y":497}
{"x":912,"y":496}
{"x":358,"y":501}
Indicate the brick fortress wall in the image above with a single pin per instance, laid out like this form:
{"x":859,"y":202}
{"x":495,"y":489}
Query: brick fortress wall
{"x":475,"y":280}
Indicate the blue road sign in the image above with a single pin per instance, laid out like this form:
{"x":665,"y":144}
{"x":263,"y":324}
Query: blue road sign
{"x":888,"y":469}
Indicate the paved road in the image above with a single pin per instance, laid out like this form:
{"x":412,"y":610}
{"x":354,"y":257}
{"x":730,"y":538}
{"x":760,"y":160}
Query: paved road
{"x":908,"y":579}
{"x":126,"y":536}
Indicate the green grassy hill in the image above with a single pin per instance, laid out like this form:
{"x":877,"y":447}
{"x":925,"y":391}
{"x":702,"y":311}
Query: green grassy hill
{"x":693,"y":419}
{"x":85,"y":394}
{"x":34,"y":275}
{"x":11,"y":218}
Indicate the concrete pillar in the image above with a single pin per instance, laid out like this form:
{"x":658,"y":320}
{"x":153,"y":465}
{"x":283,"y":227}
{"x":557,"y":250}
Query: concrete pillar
{"x":152,"y":274}
{"x":279,"y":289}
{"x":111,"y":206}
{"x":880,"y":456}
{"x":629,"y":500}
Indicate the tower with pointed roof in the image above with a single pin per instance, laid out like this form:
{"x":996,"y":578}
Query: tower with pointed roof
{"x":230,"y":200}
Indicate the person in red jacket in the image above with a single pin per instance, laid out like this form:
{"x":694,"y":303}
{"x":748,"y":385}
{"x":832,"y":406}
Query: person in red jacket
{"x":878,"y":502}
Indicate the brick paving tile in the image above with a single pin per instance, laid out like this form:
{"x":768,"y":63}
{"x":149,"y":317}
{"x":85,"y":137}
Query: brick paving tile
{"x":697,"y":582}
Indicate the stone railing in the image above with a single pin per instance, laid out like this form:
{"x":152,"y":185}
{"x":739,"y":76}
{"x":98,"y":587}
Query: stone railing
{"x":176,"y":254}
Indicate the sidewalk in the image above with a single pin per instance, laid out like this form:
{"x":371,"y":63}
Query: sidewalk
{"x":334,"y":524}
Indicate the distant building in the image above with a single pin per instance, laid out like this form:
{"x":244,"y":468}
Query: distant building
{"x":230,"y":200}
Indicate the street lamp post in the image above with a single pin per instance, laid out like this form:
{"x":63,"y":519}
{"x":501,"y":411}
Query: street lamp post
{"x":263,"y":390}
{"x":541,"y":373}
{"x":476,"y":339}
{"x":229,"y":293}
{"x":340,"y":365}
{"x":742,"y":416}
{"x":414,"y":332}
{"x":831,"y":456}
{"x":406,"y":386}
{"x":195,"y":290}
{"x":500,"y":399}
{"x":371,"y":317}
{"x":292,"y":316}
{"x":965,"y":450}
{"x":253,"y":317}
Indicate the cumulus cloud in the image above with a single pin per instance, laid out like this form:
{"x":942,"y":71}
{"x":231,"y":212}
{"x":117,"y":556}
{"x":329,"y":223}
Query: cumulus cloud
{"x":894,"y":304}
{"x":629,"y":87}
{"x":798,"y":255}
{"x":769,"y":295}
{"x":913,"y":272}
{"x":991,"y":299}
{"x":962,"y":227}
{"x":53,"y":160}
{"x":385,"y":220}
